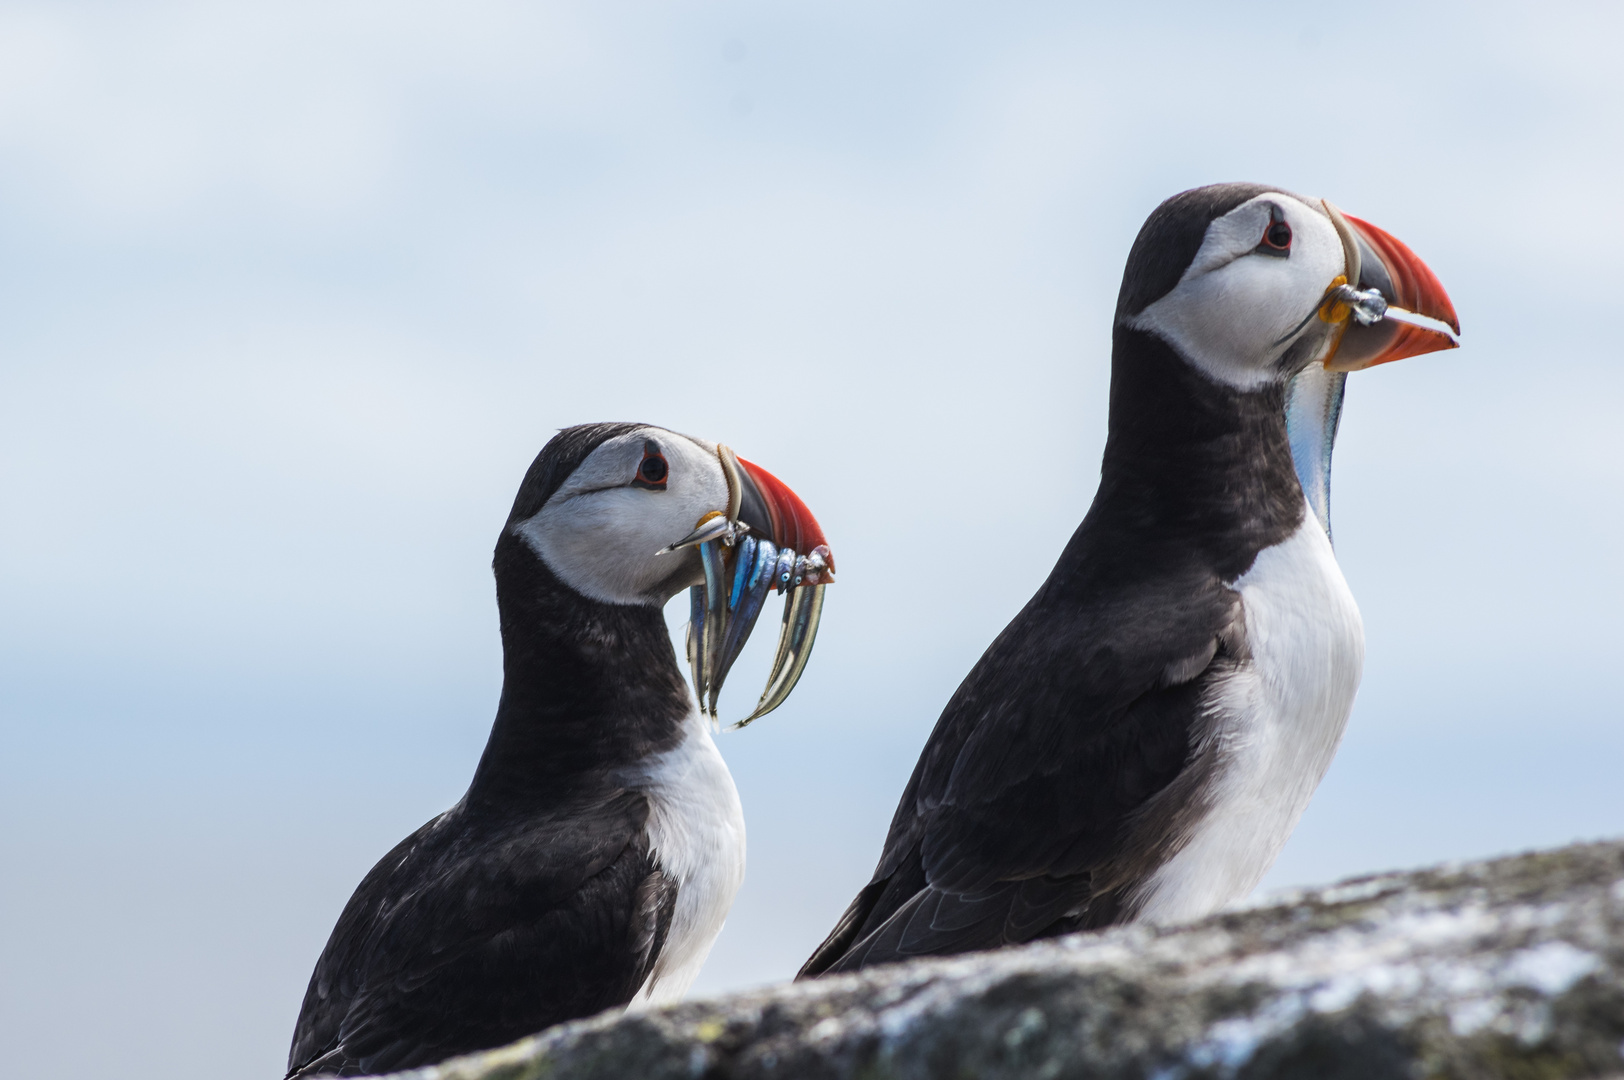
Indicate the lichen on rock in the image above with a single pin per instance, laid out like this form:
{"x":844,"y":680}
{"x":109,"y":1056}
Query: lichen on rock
{"x":1509,"y":969}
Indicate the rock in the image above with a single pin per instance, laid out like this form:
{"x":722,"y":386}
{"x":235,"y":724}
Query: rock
{"x":1507,"y":969}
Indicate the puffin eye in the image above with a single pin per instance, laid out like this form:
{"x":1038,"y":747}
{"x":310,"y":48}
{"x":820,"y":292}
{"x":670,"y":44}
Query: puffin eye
{"x":652,"y":470}
{"x":1276,"y":239}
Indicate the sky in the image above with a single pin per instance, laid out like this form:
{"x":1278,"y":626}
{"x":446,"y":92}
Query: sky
{"x":291,"y":294}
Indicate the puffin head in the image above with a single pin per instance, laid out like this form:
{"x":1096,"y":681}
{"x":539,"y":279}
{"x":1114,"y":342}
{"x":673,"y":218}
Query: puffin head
{"x":1255,"y":286}
{"x":1251,"y":284}
{"x":632,"y":514}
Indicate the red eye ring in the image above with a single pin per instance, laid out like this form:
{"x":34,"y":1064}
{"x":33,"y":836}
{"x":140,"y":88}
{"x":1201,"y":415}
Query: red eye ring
{"x":653,"y":470}
{"x":1277,"y":235}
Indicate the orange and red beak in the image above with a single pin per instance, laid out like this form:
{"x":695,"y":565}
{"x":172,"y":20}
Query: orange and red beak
{"x":773,"y":511}
{"x":1378,"y":260}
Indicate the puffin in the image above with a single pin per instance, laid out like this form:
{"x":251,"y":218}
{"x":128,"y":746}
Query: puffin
{"x":1141,"y":739}
{"x":598,"y":848}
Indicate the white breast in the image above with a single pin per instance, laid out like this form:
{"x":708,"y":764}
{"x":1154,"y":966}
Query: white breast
{"x":696,"y":830}
{"x":1277,"y":722}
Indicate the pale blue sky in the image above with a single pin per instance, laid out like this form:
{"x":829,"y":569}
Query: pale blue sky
{"x":291,"y":294}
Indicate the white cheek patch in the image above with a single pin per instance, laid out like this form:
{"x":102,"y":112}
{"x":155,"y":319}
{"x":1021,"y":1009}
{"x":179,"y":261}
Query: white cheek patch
{"x":1234,"y":312}
{"x":580,"y":539}
{"x":601,"y":535}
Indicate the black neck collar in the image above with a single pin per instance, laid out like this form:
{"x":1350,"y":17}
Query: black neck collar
{"x":587,"y":688}
{"x":1196,"y":474}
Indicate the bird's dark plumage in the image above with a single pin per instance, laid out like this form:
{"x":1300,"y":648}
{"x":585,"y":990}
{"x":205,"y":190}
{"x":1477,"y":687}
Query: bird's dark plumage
{"x":1070,"y":759}
{"x":399,"y":982}
{"x":536,"y":898}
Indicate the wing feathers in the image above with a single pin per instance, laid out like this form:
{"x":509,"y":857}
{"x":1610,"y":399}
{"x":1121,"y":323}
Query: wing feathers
{"x":1053,"y":781}
{"x":462,"y":939}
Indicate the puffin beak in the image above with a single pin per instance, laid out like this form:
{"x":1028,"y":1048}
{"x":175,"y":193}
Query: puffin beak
{"x":767,"y":541}
{"x":1380,"y":311}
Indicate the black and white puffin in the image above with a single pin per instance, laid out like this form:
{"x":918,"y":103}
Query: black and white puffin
{"x":1141,"y":739}
{"x":600,"y":843}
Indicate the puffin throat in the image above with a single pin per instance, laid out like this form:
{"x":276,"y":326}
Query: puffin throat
{"x":586,"y":685}
{"x":1188,"y":457}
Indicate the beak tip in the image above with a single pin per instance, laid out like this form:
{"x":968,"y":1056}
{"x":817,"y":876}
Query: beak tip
{"x":1444,"y":311}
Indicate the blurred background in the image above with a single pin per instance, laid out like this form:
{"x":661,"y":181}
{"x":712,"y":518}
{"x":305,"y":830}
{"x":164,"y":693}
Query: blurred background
{"x":291,"y":294}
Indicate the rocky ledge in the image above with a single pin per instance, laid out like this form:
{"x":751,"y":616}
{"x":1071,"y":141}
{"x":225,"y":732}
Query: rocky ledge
{"x":1508,"y":969}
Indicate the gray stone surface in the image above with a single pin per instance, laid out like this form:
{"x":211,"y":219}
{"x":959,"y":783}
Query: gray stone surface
{"x":1507,"y":969}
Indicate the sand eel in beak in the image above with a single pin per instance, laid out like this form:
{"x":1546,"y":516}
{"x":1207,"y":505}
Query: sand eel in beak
{"x":600,"y":843}
{"x":1142,"y":738}
{"x":742,"y":564}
